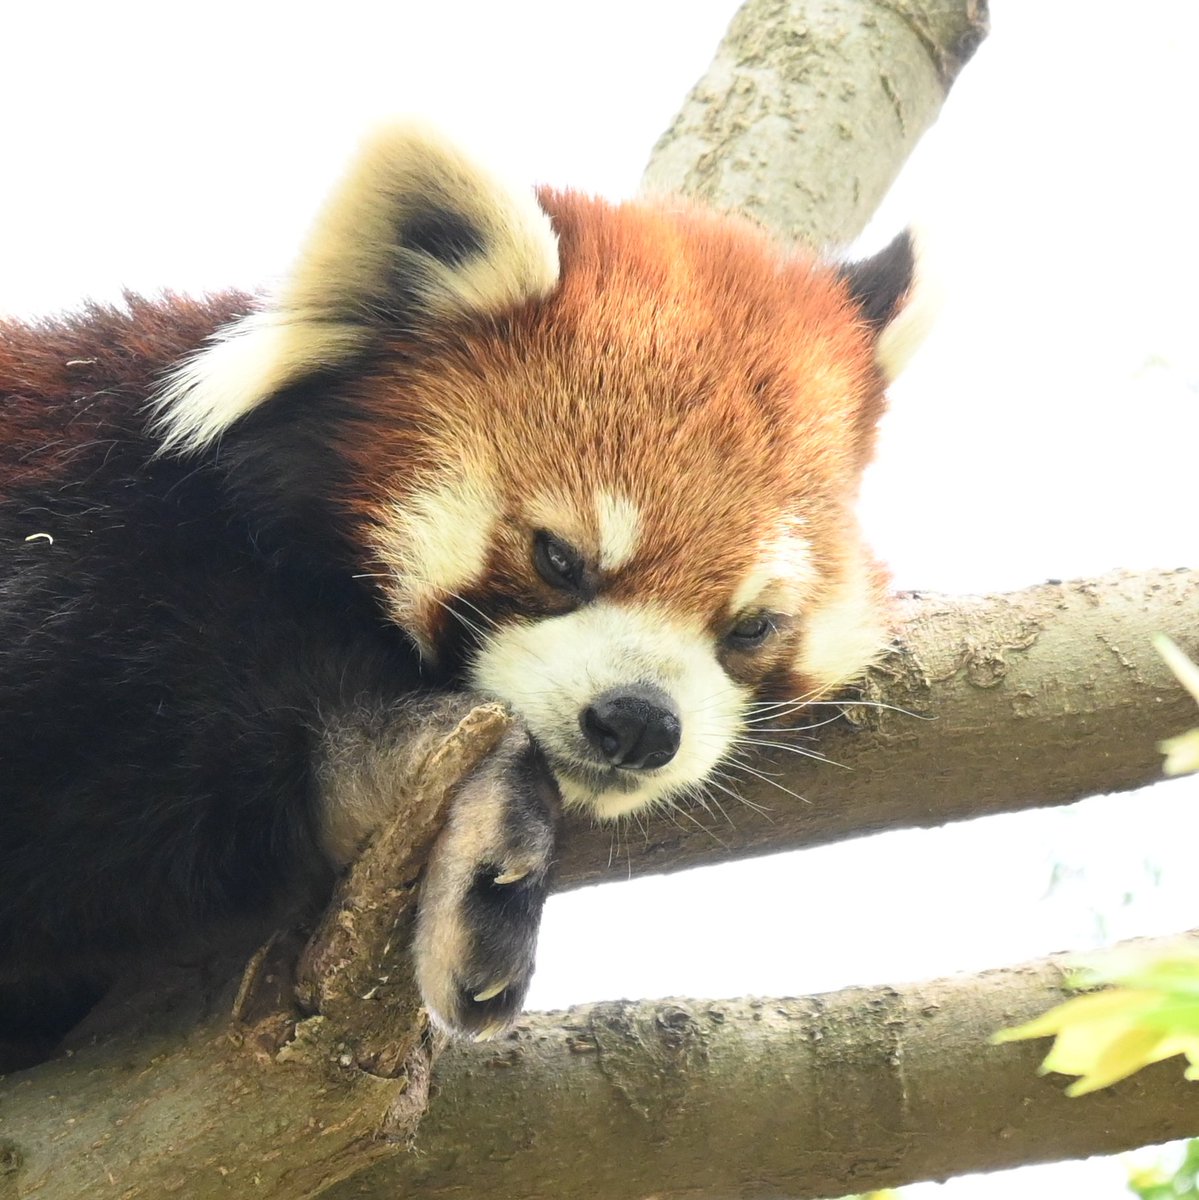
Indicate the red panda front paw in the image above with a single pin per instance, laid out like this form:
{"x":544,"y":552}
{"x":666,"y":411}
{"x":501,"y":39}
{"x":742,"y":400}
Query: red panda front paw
{"x":484,"y":888}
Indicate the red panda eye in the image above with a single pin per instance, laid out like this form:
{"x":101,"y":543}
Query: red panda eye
{"x":750,"y":632}
{"x":559,"y":564}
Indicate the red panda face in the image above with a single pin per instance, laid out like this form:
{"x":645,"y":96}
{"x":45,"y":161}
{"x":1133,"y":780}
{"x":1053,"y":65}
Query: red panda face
{"x":625,"y":508}
{"x":605,"y":474}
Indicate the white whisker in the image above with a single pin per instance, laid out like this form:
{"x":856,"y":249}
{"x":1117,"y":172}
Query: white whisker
{"x":800,"y":750}
{"x":773,"y":783}
{"x":677,"y":808}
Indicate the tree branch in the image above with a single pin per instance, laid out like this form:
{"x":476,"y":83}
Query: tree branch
{"x":750,"y":1098}
{"x":809,"y":109}
{"x":849,"y":1091}
{"x":1037,"y":698}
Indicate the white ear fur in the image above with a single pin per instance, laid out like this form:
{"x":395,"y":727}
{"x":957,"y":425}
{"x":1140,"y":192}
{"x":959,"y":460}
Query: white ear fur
{"x":415,"y":233}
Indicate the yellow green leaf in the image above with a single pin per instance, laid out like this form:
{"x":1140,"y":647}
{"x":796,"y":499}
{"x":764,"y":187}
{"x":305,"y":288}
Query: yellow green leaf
{"x":1123,"y":1055}
{"x":1182,"y":753}
{"x":1176,"y":1016}
{"x":1105,"y":1036}
{"x":1098,"y":1009}
{"x":1187,"y":671}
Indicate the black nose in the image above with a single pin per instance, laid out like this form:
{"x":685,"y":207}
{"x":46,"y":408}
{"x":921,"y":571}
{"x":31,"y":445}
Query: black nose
{"x":637,"y":728}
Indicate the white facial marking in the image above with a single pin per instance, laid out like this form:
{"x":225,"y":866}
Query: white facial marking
{"x":436,"y":542}
{"x":783,"y":569}
{"x":550,"y":670}
{"x":619,"y":528}
{"x":844,"y":634}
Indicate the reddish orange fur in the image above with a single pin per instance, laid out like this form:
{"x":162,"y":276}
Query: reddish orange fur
{"x":681,"y":362}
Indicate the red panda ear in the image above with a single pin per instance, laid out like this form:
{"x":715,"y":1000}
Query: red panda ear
{"x":418,"y":231}
{"x":891,"y":299}
{"x":415,"y":234}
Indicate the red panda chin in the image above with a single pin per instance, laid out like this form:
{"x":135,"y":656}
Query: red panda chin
{"x":610,"y":805}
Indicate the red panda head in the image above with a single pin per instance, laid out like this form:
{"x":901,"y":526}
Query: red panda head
{"x":598,"y":460}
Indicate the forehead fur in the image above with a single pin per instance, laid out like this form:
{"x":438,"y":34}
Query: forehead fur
{"x":698,"y":381}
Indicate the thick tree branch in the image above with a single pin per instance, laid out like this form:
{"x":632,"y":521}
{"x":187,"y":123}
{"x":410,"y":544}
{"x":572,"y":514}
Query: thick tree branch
{"x":858,"y":1089}
{"x":1031,"y":699}
{"x":811,"y":107}
{"x":769,"y":1098}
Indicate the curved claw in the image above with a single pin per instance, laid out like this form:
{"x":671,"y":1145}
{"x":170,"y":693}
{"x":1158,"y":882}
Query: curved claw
{"x":490,"y":1031}
{"x":511,"y":876}
{"x":491,"y":992}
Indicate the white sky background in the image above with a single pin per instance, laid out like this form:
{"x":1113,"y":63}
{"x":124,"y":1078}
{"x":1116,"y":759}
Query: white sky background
{"x":1050,"y":427}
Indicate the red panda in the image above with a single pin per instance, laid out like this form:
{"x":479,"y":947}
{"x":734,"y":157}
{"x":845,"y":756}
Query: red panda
{"x":596,"y":461}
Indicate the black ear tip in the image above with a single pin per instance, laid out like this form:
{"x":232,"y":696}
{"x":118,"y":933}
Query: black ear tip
{"x":880,"y":284}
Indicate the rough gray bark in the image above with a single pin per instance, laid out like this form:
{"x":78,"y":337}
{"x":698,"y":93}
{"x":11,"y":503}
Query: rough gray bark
{"x":181,"y":1092}
{"x":811,"y":107}
{"x":768,"y":1099}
